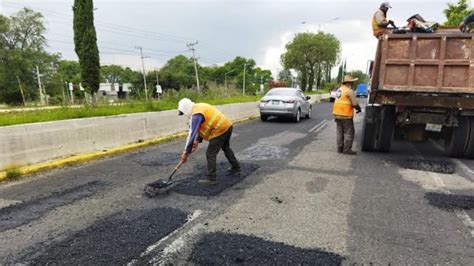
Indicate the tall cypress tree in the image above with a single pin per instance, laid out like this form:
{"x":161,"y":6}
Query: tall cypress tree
{"x":85,"y":40}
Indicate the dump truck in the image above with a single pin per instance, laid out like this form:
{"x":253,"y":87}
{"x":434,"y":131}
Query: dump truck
{"x":422,"y":81}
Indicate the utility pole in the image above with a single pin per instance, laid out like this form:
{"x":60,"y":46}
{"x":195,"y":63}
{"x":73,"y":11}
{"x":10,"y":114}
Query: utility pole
{"x":225,"y":81}
{"x":21,"y":90}
{"x":191,"y":48}
{"x":143,"y":69}
{"x":41,"y":95}
{"x":243,"y":86}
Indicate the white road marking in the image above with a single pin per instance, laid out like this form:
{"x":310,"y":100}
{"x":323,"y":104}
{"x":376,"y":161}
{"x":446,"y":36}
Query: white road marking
{"x":318,"y":125}
{"x":461,"y":214}
{"x":176,"y":246}
{"x":151,"y":248}
{"x":460,"y":164}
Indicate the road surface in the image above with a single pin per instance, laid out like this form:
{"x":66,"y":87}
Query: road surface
{"x":298,"y":202}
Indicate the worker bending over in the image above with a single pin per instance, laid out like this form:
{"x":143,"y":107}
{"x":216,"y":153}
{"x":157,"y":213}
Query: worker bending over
{"x":208,"y":123}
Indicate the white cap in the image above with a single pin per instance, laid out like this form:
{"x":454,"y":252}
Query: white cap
{"x":185,"y":106}
{"x":386,"y":5}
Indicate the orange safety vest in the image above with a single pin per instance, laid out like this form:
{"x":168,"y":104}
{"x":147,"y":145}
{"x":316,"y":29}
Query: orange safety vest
{"x":343,"y":105}
{"x":376,"y":28}
{"x":215,"y":123}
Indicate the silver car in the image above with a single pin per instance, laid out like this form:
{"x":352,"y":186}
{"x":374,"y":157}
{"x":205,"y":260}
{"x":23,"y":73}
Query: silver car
{"x":285,"y":102}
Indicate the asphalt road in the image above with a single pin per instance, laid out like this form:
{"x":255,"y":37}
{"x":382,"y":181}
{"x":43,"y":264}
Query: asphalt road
{"x":298,"y":202}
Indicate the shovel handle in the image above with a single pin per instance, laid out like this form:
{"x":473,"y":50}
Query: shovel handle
{"x":179,"y":165}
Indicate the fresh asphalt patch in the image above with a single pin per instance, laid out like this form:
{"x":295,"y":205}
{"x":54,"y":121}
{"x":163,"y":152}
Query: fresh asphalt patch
{"x":25,"y":212}
{"x":229,"y":249}
{"x":116,"y":240}
{"x":154,"y":160}
{"x":442,"y":167}
{"x":450,"y":202}
{"x":190,"y":185}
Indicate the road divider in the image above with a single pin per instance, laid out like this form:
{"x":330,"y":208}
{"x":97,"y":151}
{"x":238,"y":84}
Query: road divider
{"x":30,"y":148}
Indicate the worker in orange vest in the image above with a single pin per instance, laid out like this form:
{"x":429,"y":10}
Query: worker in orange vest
{"x":343,"y":112}
{"x":380,"y":22}
{"x":208,"y":123}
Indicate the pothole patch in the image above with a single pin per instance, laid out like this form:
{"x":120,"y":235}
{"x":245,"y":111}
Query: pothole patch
{"x":27,"y":211}
{"x":155,"y":160}
{"x":229,"y":249}
{"x":441,"y":167}
{"x":450,"y":202}
{"x":263,"y":152}
{"x":116,"y":240}
{"x":190,"y":185}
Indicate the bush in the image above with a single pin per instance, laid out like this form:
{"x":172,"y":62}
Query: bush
{"x":13,"y":173}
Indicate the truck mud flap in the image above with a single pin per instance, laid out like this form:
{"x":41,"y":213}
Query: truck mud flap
{"x":387,"y":128}
{"x":455,"y":142}
{"x":370,"y":128}
{"x":469,"y":151}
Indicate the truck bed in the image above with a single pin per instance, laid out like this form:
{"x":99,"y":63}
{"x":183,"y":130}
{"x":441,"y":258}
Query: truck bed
{"x":437,"y":63}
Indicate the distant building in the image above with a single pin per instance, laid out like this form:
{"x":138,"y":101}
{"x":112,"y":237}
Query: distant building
{"x":114,"y":91}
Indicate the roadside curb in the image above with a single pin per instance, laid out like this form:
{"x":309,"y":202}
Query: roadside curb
{"x":87,"y":157}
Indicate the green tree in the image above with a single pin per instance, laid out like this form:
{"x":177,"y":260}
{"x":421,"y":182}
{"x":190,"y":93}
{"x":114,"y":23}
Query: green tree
{"x":21,"y":50}
{"x":455,"y":13}
{"x":361,"y":76}
{"x":312,"y":56}
{"x":70,"y":71}
{"x":285,"y":75}
{"x":178,"y":73}
{"x":85,"y":41}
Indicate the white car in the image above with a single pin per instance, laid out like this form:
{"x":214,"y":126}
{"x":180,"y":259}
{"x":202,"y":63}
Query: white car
{"x":285,"y":102}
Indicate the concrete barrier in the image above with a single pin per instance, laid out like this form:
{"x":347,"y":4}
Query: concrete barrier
{"x":34,"y":143}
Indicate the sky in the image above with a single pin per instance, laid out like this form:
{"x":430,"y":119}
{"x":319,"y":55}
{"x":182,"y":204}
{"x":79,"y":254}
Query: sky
{"x":257,"y":29}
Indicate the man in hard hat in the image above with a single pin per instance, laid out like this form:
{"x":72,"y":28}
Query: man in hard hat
{"x":465,"y":22}
{"x":380,"y":22}
{"x":208,"y":123}
{"x":343,"y":111}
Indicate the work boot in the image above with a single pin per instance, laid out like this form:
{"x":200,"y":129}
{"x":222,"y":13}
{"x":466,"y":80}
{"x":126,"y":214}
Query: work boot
{"x":208,"y":182}
{"x":340,"y":149}
{"x":350,"y":152}
{"x":234,"y":170}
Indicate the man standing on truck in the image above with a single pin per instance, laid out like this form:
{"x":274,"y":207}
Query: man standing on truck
{"x":343,"y":111}
{"x":209,"y":124}
{"x":466,"y":21}
{"x":379,"y":20}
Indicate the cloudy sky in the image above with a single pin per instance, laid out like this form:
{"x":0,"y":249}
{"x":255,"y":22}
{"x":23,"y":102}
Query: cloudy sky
{"x":257,"y":29}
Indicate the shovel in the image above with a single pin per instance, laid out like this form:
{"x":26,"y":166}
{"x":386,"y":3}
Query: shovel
{"x":161,"y":186}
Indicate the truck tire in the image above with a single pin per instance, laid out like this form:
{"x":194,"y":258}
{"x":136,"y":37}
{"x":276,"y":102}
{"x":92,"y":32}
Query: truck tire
{"x":469,"y":151}
{"x":387,"y":128}
{"x":368,"y":136}
{"x":455,"y":141}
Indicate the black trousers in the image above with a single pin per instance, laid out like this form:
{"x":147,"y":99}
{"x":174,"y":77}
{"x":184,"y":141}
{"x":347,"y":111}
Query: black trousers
{"x":345,"y":134}
{"x":215,"y":145}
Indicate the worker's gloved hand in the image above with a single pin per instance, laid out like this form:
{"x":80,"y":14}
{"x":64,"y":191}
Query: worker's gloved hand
{"x":195,"y":146}
{"x":390,"y":22}
{"x":184,"y":156}
{"x":359,"y":110}
{"x":462,"y":26}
